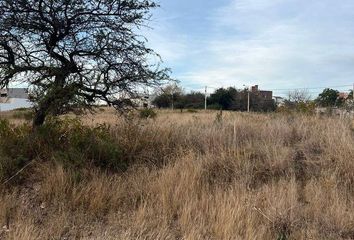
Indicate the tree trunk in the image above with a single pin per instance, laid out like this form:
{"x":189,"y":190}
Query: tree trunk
{"x":55,"y":93}
{"x":39,"y":118}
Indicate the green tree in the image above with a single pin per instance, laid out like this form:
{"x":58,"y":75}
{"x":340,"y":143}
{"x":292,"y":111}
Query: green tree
{"x":195,"y":100}
{"x":163,"y":100}
{"x":328,"y":98}
{"x":223,"y":97}
{"x":75,"y":53}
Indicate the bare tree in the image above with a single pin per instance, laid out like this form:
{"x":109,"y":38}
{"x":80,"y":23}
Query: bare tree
{"x":166,"y":96}
{"x":75,"y":53}
{"x":299,"y":96}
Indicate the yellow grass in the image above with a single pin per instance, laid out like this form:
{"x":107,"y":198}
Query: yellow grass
{"x":247,"y":176}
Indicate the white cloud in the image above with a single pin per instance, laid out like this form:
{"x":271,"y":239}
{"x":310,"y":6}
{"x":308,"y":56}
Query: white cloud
{"x":273,"y":43}
{"x":254,"y":42}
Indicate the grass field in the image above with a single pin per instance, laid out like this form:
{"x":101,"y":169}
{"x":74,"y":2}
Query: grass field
{"x":193,"y":176}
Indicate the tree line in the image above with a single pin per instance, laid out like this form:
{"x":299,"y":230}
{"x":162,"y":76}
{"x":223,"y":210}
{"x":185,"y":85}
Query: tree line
{"x":333,"y":98}
{"x":222,"y":99}
{"x":234,"y":99}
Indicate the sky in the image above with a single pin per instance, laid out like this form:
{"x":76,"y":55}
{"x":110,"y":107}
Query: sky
{"x":277,"y":44}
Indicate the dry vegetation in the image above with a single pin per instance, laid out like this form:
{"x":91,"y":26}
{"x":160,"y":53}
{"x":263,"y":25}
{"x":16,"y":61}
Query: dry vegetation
{"x":195,"y":176}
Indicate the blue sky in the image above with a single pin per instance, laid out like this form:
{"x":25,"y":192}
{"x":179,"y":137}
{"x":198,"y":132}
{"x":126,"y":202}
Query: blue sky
{"x":277,"y":44}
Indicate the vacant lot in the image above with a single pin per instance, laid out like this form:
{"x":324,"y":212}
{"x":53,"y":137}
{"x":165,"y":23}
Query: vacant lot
{"x":182,"y":176}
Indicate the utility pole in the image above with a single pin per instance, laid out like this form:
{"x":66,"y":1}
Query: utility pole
{"x":205,"y":100}
{"x":172,"y":102}
{"x":248,"y":100}
{"x":248,"y":97}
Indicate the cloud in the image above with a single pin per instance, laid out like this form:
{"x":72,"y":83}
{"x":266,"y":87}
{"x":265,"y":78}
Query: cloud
{"x":304,"y":48}
{"x":274,"y":43}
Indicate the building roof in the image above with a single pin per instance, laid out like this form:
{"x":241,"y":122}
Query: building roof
{"x":268,"y":95}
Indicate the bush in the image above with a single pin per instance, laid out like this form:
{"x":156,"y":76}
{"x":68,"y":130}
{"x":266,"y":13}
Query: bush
{"x":300,"y":107}
{"x":147,"y":113}
{"x":66,"y":141}
{"x":13,"y":148}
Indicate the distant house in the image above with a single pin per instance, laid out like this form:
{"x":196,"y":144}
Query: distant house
{"x":343,"y":95}
{"x":266,"y":95}
{"x":3,"y":96}
{"x":13,"y":98}
{"x":141,"y":100}
{"x":3,"y":93}
{"x":261,"y":100}
{"x":279,"y":101}
{"x":14,"y":93}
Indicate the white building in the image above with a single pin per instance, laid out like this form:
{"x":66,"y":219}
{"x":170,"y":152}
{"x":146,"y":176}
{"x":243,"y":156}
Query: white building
{"x":13,"y":98}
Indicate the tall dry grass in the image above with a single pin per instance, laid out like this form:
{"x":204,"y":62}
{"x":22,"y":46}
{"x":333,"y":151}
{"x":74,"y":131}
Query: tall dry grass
{"x":197,"y":176}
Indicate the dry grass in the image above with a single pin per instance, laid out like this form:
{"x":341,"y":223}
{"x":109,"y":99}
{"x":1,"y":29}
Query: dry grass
{"x":247,"y":176}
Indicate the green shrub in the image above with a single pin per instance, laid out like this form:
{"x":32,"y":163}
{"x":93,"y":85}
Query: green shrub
{"x":307,"y":108}
{"x":66,"y":141}
{"x":14,"y":151}
{"x":147,"y":113}
{"x":77,"y":145}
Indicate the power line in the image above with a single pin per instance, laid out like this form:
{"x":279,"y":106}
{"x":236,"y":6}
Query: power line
{"x":284,"y":89}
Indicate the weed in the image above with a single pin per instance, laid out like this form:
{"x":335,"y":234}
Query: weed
{"x":184,"y":177}
{"x":147,"y":113}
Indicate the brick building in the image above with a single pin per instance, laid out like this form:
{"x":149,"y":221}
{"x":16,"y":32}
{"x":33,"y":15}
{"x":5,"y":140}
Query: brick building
{"x":266,"y":95}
